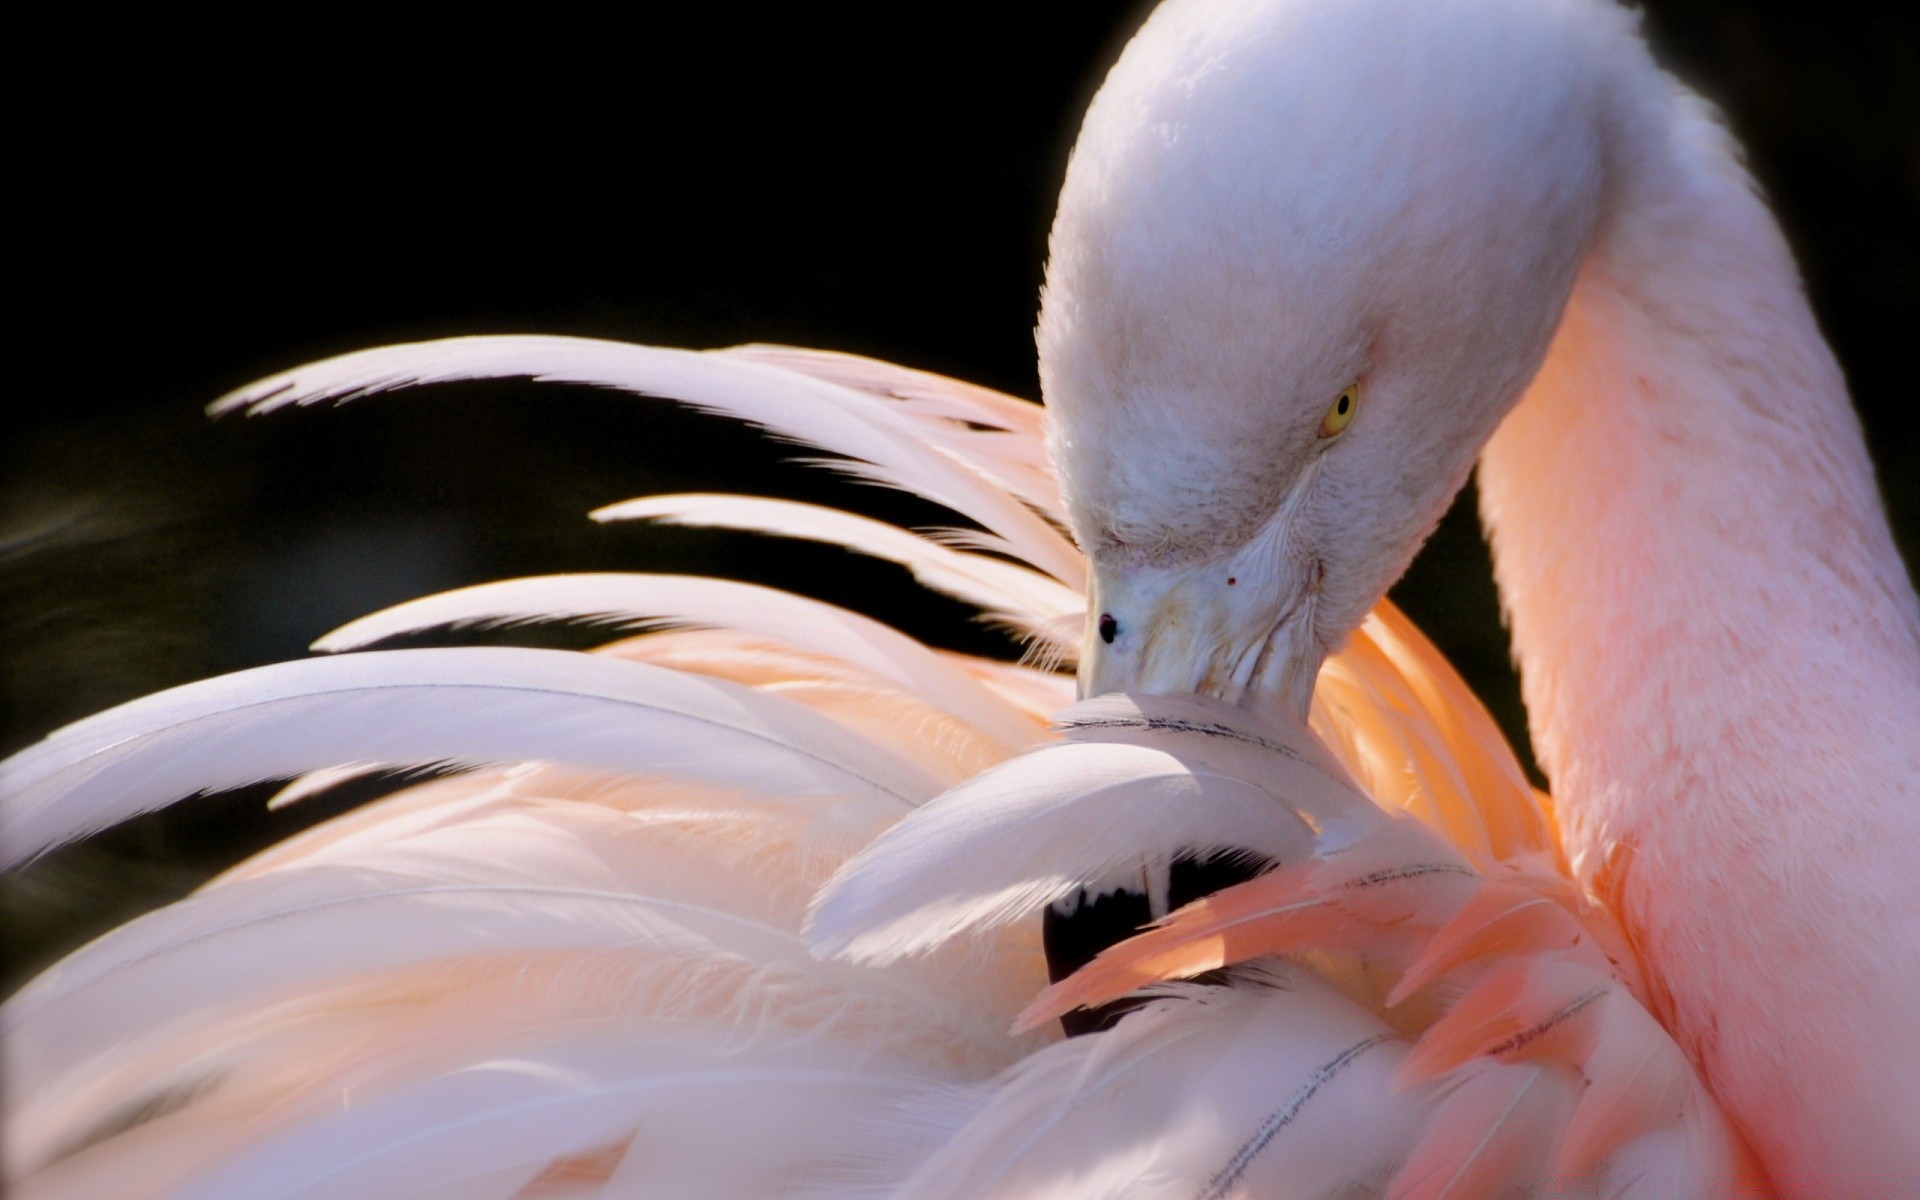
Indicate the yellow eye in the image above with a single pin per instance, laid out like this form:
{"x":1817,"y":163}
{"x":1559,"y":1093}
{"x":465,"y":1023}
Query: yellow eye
{"x":1340,"y":413}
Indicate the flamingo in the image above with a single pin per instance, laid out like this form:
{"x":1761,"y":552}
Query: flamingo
{"x":1701,"y":950}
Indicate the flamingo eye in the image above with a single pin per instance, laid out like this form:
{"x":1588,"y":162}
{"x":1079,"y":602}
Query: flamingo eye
{"x":1340,"y":412}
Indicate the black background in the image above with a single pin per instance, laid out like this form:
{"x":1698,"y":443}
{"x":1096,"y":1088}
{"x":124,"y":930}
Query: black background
{"x":201,"y":215}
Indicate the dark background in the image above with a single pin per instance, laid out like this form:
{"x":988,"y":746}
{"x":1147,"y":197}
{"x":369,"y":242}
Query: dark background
{"x":875,"y":185}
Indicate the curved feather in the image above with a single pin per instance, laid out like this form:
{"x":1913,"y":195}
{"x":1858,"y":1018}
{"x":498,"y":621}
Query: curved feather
{"x":491,"y":878}
{"x":1284,"y":757}
{"x":1042,"y":694}
{"x":755,"y":845}
{"x":1413,"y":734}
{"x":641,"y":1103}
{"x":1207,"y":1094}
{"x":284,"y":1059}
{"x":1005,"y":844}
{"x":1489,"y":1137}
{"x":287,"y":930}
{"x":886,"y":446}
{"x":265,"y":989}
{"x":1001,"y":433}
{"x":923,"y":392}
{"x":942,"y":745}
{"x":1368,"y":896}
{"x":1009,"y":593}
{"x":635,"y":599}
{"x":479,"y":705}
{"x":1498,"y":920}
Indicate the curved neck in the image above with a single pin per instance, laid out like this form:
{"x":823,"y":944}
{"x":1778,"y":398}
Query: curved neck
{"x":1720,"y":649}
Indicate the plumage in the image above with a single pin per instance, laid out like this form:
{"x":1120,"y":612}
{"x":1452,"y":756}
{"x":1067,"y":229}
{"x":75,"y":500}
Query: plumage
{"x":630,"y":600}
{"x":750,"y":903}
{"x":1024,"y":600}
{"x":882,"y":439}
{"x":1189,"y":1096}
{"x":419,"y":707}
{"x":1265,"y":788}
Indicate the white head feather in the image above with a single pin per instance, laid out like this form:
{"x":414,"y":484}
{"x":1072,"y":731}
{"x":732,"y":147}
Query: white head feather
{"x":1269,"y":203}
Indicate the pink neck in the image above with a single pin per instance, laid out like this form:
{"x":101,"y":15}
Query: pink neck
{"x":1721,"y":656}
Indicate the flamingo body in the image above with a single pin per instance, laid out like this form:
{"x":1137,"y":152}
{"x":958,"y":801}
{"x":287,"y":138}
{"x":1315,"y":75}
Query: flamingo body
{"x":586,"y":917}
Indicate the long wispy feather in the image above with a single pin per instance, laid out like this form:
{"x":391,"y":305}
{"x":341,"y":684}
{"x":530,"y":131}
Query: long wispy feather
{"x":891,"y":445}
{"x":1014,"y":595}
{"x":630,"y":600}
{"x":613,"y":1108}
{"x":998,"y":432}
{"x":467,"y":706}
{"x":942,"y":745}
{"x":284,"y":931}
{"x":496,"y":876}
{"x":922,"y":392}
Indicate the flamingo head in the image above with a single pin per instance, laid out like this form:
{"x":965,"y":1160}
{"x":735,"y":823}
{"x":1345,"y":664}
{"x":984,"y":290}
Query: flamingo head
{"x":1302,"y":265}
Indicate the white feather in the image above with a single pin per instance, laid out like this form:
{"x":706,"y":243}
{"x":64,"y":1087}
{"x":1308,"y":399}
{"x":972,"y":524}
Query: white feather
{"x":1274,"y":749}
{"x":472,"y":706}
{"x":940,"y":744}
{"x":891,"y":445}
{"x":656,"y":922}
{"x":315,"y":783}
{"x":511,"y":833}
{"x":492,"y":1127}
{"x":1042,"y":694}
{"x":1007,"y":843}
{"x":1009,"y":593}
{"x":921,"y":392}
{"x":764,"y":849}
{"x":1217,"y":1092}
{"x":1010,"y":447}
{"x":302,"y":940}
{"x":1140,"y":776}
{"x":681,"y":600}
{"x":275,"y":1059}
{"x":291,"y":929}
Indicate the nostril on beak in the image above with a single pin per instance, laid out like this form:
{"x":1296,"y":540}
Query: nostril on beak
{"x":1109,"y":628}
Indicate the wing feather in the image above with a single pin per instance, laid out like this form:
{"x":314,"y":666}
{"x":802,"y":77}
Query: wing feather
{"x":1000,"y":433}
{"x":1209,"y":1093}
{"x":1015,"y":595}
{"x":478,"y":705}
{"x":940,"y":744}
{"x":1489,"y":1137}
{"x":886,"y":446}
{"x":683,"y":600}
{"x":490,"y":1128}
{"x":1007,"y":843}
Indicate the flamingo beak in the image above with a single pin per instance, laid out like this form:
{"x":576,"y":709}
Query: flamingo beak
{"x":1178,"y":631}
